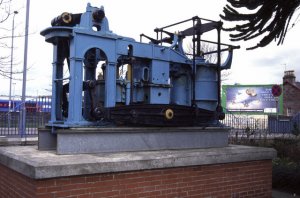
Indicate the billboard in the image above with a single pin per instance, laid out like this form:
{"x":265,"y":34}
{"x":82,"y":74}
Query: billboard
{"x":250,"y":98}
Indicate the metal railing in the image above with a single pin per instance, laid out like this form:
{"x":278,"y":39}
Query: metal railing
{"x":242,"y":126}
{"x":248,"y":127}
{"x":9,"y":123}
{"x":37,"y":115}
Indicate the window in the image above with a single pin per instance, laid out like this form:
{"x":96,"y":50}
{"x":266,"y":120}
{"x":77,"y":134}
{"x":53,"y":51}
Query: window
{"x":289,"y":111}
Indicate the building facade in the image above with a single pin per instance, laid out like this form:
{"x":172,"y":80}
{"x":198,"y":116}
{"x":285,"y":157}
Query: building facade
{"x":291,"y":94}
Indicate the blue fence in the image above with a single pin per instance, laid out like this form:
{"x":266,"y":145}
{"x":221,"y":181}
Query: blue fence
{"x":284,"y":124}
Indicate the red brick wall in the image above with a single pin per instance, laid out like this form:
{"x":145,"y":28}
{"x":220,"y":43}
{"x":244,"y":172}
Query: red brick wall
{"x":234,"y":180}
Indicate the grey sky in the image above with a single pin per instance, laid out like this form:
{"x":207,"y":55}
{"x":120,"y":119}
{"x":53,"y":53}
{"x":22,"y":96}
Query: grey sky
{"x":131,"y":18}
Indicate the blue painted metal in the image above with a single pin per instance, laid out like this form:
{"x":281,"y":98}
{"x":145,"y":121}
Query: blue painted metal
{"x":283,"y":124}
{"x":158,"y":72}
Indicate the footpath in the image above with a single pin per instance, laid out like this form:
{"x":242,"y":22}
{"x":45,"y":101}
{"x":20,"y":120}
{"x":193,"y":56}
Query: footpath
{"x":280,"y":194}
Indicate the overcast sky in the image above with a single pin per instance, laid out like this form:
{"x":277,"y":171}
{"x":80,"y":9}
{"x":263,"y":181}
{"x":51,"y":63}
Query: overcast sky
{"x":133,"y":17}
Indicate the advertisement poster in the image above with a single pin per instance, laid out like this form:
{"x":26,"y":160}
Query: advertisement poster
{"x":251,"y":99}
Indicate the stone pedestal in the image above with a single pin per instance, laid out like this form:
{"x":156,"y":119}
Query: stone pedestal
{"x":232,"y":171}
{"x":119,"y":139}
{"x":135,"y":162}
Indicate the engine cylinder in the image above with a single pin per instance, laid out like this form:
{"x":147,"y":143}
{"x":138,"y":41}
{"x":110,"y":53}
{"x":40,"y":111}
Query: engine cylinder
{"x":206,"y":87}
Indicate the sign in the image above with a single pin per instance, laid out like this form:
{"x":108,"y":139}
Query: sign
{"x":276,"y":90}
{"x":250,"y":98}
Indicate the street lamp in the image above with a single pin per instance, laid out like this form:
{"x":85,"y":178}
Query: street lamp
{"x":22,"y":120}
{"x":11,"y":58}
{"x":11,"y":64}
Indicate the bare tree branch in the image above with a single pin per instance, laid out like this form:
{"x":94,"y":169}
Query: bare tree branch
{"x":267,"y":18}
{"x":212,"y":58}
{"x":5,"y":10}
{"x":5,"y":39}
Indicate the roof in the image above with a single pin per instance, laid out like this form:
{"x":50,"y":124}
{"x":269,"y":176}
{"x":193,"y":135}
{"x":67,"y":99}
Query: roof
{"x":295,"y":85}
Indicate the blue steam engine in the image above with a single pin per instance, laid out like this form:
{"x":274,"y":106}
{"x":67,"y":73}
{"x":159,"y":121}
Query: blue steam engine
{"x":117,"y":80}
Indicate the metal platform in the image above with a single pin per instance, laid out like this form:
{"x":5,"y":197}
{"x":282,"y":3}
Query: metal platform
{"x":120,"y":139}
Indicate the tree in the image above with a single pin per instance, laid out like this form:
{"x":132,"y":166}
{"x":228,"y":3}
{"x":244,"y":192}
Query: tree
{"x":268,"y":18}
{"x":212,"y":58}
{"x":5,"y":37}
{"x":5,"y":10}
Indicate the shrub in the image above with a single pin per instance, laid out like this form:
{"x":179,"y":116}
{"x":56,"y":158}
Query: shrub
{"x":295,"y":130}
{"x":286,"y":175}
{"x":287,"y":148}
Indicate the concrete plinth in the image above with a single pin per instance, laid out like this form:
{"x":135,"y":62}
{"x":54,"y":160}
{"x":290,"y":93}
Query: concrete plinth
{"x":28,"y":160}
{"x":232,"y":171}
{"x":119,"y":139}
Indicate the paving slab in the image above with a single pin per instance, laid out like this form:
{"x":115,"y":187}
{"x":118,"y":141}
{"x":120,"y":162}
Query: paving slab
{"x":10,"y":141}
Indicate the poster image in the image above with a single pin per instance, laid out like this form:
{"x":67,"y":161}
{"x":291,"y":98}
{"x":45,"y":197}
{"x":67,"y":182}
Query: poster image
{"x":251,"y":98}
